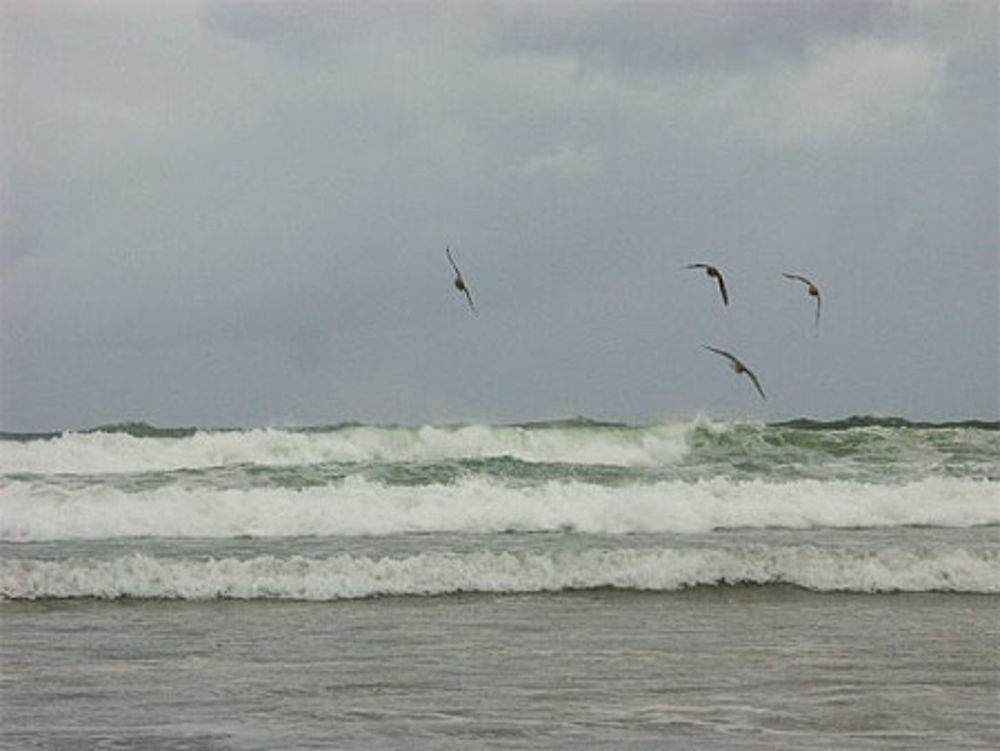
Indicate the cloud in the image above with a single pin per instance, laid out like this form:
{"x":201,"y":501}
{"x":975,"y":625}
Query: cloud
{"x":840,"y":95}
{"x":639,"y":38}
{"x":264,"y":190}
{"x":564,"y":161}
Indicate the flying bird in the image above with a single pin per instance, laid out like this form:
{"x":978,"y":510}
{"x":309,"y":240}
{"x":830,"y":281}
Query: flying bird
{"x":460,"y":284}
{"x":738,"y":366}
{"x":713,"y":272}
{"x":811,"y":288}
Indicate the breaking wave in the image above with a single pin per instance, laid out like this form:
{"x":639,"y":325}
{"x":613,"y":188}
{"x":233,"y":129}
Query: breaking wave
{"x":36,"y":511}
{"x":880,"y":446}
{"x":126,"y":451}
{"x":427,"y":574}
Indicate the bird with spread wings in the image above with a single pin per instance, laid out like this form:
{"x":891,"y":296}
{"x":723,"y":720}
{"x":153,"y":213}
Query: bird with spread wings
{"x":460,"y":284}
{"x":811,"y":288}
{"x":738,"y":366}
{"x":713,"y":272}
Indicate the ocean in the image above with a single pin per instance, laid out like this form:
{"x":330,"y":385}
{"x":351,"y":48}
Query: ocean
{"x":569,"y":584}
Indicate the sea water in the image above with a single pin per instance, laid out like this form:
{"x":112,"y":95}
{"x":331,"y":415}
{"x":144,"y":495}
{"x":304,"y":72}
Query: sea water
{"x":569,"y":584}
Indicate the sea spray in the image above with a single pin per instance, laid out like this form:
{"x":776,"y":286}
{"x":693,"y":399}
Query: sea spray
{"x":109,"y":452}
{"x":865,"y":450}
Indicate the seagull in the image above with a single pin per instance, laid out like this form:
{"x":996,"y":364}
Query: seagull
{"x":811,"y":288}
{"x":739,"y":367}
{"x":715,"y":274}
{"x":460,"y":284}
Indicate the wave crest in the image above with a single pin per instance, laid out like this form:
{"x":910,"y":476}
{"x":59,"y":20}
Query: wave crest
{"x":356,"y":507}
{"x":126,"y":451}
{"x":429,"y":574}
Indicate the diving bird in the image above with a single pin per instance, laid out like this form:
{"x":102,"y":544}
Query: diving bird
{"x":713,"y":272}
{"x":738,"y":366}
{"x":811,"y":288}
{"x":460,"y":284}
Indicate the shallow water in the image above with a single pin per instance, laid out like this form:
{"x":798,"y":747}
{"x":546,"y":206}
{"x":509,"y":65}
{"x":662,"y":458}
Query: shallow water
{"x":731,"y":667}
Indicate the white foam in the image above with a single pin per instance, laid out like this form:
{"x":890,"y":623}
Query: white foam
{"x":35,"y":510}
{"x":349,"y":576}
{"x":98,"y":453}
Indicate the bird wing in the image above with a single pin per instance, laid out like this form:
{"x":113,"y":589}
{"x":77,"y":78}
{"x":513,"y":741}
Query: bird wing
{"x":722,"y":352}
{"x":797,"y":277}
{"x":468,"y":296}
{"x":697,"y":266}
{"x":447,"y":252}
{"x":818,"y":304}
{"x":755,"y":381}
{"x":722,"y":288}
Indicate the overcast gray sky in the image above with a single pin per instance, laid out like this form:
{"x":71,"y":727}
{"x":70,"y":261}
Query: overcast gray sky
{"x":235,"y":213}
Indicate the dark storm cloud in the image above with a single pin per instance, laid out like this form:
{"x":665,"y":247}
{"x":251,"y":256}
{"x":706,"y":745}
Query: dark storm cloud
{"x":235,"y":213}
